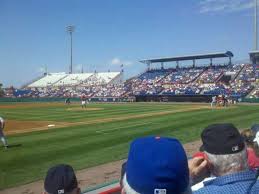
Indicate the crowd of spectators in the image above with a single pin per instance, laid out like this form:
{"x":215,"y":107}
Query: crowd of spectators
{"x":211,"y":74}
{"x":227,"y":162}
{"x":183,"y":75}
{"x":242,"y":80}
{"x":255,"y":93}
{"x":182,"y":89}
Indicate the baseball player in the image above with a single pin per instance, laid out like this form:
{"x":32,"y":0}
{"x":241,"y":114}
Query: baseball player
{"x":214,"y":101}
{"x":2,"y":137}
{"x":83,"y":101}
{"x":67,"y":101}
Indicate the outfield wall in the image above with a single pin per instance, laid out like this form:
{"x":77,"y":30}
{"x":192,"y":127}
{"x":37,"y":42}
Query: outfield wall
{"x":251,"y":100}
{"x":140,"y":98}
{"x":61,"y":99}
{"x":173,"y":98}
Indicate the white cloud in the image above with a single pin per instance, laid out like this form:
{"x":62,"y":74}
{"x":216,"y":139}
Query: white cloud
{"x":117,"y":61}
{"x":214,"y":6}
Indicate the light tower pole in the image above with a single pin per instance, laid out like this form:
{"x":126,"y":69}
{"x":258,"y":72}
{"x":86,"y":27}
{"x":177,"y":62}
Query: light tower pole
{"x":255,"y":27}
{"x":70,"y":29}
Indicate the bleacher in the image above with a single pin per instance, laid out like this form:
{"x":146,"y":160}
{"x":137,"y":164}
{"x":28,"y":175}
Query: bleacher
{"x":63,"y":79}
{"x":110,"y":91}
{"x":211,"y":74}
{"x":215,"y":89}
{"x":194,"y":81}
{"x":154,"y":74}
{"x":101,"y":78}
{"x":47,"y":80}
{"x":183,"y":76}
{"x":255,"y":93}
{"x":73,"y":79}
{"x":236,"y":80}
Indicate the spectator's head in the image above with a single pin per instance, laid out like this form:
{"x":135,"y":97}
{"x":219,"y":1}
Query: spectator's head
{"x":251,"y":140}
{"x":156,"y":165}
{"x":61,"y":179}
{"x":248,"y":136}
{"x":224,"y":148}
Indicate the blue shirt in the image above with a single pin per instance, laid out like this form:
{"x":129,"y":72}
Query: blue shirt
{"x":238,"y":183}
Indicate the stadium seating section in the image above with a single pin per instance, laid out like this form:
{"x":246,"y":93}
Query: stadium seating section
{"x":238,"y":80}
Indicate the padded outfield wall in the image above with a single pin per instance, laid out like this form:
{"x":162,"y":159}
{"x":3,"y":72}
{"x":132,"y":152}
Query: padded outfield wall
{"x":173,"y":98}
{"x":139,"y":98}
{"x":186,"y":98}
{"x":56,"y":99}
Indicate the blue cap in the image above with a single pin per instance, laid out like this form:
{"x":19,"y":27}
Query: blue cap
{"x":157,"y":165}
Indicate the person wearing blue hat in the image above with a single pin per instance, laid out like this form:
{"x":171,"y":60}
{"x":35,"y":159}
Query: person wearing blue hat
{"x":156,"y":165}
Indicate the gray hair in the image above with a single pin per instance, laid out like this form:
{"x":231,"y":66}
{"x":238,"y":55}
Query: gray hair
{"x":228,"y":163}
{"x":129,"y":190}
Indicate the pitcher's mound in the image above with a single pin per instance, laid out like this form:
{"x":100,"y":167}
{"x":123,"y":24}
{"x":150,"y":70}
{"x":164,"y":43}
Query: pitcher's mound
{"x":83,"y":109}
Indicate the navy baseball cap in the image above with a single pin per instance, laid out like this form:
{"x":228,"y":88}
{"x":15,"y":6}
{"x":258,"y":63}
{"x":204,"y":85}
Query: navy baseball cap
{"x":221,"y":139}
{"x":60,"y":179}
{"x":157,"y":165}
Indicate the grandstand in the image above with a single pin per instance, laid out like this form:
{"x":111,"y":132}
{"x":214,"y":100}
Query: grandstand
{"x":233,"y":80}
{"x":236,"y":80}
{"x":103,"y":78}
{"x":73,"y":79}
{"x":63,"y":79}
{"x":48,"y":80}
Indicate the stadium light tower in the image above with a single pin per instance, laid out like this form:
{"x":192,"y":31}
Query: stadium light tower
{"x":255,"y":27}
{"x":70,"y":29}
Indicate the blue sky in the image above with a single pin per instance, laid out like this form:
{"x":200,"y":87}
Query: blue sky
{"x":111,"y":32}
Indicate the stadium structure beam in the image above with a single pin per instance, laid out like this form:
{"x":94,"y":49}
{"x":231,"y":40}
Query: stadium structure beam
{"x":193,"y":63}
{"x":70,"y":30}
{"x":255,"y":27}
{"x":162,"y":65}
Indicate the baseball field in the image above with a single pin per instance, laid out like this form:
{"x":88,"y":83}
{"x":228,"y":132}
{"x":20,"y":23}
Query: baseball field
{"x":44,"y":134}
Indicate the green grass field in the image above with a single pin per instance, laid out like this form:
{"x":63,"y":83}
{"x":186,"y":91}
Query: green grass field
{"x":84,"y":145}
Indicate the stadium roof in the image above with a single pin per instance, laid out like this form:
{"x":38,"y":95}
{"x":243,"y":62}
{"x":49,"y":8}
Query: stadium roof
{"x":254,"y":51}
{"x":228,"y":54}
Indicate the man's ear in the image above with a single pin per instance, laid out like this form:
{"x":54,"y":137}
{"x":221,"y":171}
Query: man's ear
{"x":209,"y":164}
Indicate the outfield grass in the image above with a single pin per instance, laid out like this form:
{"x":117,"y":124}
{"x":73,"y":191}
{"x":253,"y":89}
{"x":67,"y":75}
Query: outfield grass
{"x":87,"y":145}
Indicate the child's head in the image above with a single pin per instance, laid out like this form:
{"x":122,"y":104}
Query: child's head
{"x":248,"y":136}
